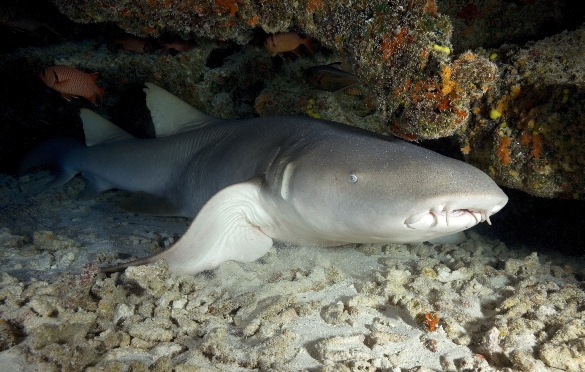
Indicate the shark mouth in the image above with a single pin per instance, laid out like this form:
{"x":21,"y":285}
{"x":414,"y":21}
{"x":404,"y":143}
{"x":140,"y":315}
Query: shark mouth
{"x":447,"y":217}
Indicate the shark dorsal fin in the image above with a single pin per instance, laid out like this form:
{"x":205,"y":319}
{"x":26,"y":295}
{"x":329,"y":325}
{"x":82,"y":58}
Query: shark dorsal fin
{"x":98,"y":129}
{"x":170,"y":114}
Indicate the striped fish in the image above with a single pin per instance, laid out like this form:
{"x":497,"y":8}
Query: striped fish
{"x":287,"y":42}
{"x":72,"y":83}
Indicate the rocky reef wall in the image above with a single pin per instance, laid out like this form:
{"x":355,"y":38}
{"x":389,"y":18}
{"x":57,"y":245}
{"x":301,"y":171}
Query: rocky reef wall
{"x":427,"y":71}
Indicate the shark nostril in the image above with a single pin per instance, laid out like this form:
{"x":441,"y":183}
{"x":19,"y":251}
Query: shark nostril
{"x":415,"y":218}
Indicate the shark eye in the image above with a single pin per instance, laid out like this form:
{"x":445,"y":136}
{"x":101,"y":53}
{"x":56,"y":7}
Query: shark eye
{"x":353,"y":178}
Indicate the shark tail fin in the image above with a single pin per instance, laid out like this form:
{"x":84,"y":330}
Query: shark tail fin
{"x":98,"y":129}
{"x":56,"y":155}
{"x":170,"y":114}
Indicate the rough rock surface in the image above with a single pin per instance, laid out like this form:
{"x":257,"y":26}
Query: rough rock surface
{"x":528,"y":131}
{"x":400,"y":49}
{"x":418,"y":80}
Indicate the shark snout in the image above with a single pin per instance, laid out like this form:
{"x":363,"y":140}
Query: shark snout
{"x":457,"y":215}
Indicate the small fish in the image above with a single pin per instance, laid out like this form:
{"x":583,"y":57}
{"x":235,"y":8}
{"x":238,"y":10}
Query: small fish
{"x":28,"y":24}
{"x":178,"y":46}
{"x":329,"y":78}
{"x":134,"y":44}
{"x":287,"y":42}
{"x":10,"y":17}
{"x":72,"y":83}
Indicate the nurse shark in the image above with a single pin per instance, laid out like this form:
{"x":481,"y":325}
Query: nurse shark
{"x":247,"y":183}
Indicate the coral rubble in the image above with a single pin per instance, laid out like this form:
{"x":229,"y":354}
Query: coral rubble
{"x":492,"y":309}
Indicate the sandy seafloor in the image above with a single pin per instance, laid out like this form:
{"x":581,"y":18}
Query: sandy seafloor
{"x":351,"y":308}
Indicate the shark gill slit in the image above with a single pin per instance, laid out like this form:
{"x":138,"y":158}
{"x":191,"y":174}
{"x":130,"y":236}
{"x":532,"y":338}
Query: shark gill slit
{"x":286,"y":176}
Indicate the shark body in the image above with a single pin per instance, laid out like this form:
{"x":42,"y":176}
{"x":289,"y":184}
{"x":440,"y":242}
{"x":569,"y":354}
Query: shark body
{"x":249,"y":182}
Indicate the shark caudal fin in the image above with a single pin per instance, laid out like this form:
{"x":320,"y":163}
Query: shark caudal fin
{"x":54,"y":154}
{"x":170,"y":114}
{"x":59,"y":154}
{"x":98,"y":129}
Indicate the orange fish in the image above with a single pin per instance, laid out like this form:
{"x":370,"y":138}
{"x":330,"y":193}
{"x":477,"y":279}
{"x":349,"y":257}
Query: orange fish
{"x":134,"y":44}
{"x":72,"y":83}
{"x":179,"y":46}
{"x":287,"y":42}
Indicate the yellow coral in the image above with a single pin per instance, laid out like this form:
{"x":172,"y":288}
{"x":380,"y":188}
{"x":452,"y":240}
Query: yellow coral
{"x":442,"y":49}
{"x":494,"y":114}
{"x":309,"y":111}
{"x":565,"y":96}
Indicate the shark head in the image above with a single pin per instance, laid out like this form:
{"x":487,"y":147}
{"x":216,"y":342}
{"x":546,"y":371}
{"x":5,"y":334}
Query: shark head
{"x":368,"y":189}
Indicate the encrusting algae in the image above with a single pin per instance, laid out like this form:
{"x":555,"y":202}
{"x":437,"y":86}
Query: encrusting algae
{"x":414,"y":82}
{"x":389,"y":44}
{"x":531,"y":122}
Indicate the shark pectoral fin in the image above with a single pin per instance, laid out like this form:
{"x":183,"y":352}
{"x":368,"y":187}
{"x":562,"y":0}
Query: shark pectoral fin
{"x":170,"y":114}
{"x":93,"y":186}
{"x":228,"y":227}
{"x":60,"y":179}
{"x":145,"y":203}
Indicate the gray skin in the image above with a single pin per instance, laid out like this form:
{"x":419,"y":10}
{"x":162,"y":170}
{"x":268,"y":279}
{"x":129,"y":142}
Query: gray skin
{"x":293,"y":179}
